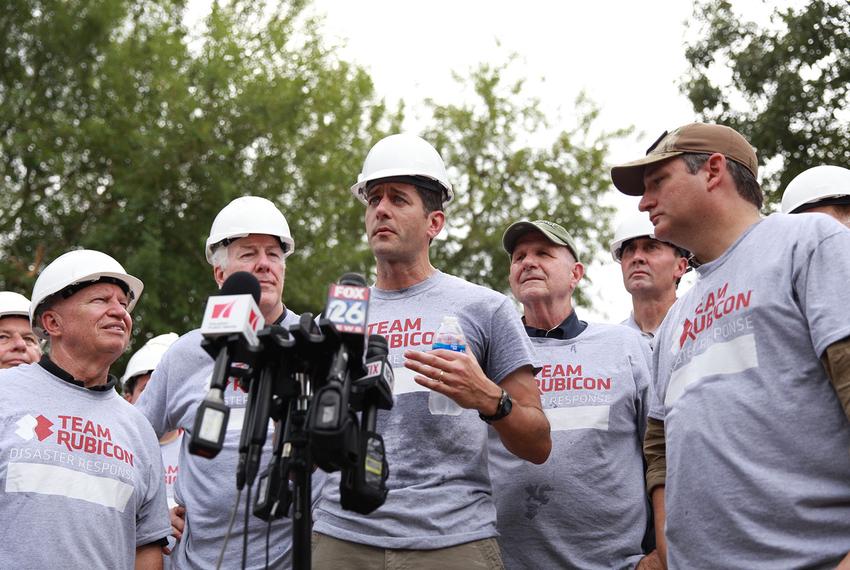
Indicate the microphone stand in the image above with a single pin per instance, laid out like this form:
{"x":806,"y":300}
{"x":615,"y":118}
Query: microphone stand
{"x":301,"y":464}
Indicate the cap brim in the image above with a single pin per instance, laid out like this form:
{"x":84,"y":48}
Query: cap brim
{"x":519,"y":229}
{"x":514,"y":232}
{"x":628,"y":178}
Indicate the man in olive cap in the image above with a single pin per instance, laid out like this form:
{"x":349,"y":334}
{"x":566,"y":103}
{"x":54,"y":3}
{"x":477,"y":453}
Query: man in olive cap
{"x":594,"y":386}
{"x":751,"y":366}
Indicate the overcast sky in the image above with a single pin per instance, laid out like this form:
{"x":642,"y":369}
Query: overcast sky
{"x":627,"y":56}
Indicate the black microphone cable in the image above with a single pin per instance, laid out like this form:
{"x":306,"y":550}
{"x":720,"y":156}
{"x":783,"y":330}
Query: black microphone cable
{"x":229,"y":529}
{"x":245,"y":528}
{"x":268,"y":534}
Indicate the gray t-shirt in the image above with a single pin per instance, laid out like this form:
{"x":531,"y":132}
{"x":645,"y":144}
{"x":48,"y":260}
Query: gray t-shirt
{"x":632,"y":324}
{"x":758,"y":474}
{"x":440,"y":492}
{"x":586,"y":507}
{"x":207,"y":487}
{"x":80,"y":475}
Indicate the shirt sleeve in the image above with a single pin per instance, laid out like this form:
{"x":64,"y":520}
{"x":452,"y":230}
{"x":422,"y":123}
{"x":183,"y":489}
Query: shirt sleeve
{"x":641,"y":361}
{"x":152,"y":520}
{"x":506,"y":344}
{"x":656,"y":403}
{"x":823,"y":276}
{"x":153,"y":401}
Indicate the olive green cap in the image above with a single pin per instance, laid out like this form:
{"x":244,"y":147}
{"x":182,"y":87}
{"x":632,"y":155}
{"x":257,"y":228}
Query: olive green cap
{"x":550,"y":230}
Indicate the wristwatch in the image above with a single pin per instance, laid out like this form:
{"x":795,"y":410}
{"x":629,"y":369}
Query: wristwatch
{"x":504,"y":408}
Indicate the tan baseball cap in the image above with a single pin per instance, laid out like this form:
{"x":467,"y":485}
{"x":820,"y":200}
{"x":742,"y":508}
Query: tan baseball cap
{"x":690,"y":139}
{"x":550,"y":230}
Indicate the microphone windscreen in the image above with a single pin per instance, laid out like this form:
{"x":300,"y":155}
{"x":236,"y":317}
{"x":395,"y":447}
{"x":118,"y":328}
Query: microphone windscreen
{"x":241,"y":283}
{"x":352,"y":279}
{"x":377,"y":346}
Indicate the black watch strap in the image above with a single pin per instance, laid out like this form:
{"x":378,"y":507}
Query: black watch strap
{"x":503,"y":409}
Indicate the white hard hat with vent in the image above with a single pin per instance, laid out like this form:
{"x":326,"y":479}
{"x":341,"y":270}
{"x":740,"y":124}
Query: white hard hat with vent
{"x":245,"y":216}
{"x":404,"y":155}
{"x":14,"y":304}
{"x":76,"y":269}
{"x":825,"y":182}
{"x":632,"y":227}
{"x":147,"y":358}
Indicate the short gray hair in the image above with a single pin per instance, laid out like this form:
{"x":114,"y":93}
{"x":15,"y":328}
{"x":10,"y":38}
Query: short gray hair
{"x":220,"y":256}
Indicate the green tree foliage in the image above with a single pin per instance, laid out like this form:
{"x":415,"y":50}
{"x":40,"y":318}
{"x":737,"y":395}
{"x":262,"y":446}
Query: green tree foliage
{"x":123,"y":131}
{"x":500,"y":177}
{"x":785,"y":86}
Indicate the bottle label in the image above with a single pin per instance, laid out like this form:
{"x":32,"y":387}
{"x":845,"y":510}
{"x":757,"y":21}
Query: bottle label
{"x":446,"y":346}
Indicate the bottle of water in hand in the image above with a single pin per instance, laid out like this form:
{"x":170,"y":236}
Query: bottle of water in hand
{"x":448,"y":337}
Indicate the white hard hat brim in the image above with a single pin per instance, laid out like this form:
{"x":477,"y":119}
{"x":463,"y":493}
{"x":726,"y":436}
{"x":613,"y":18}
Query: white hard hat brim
{"x":134,"y":285}
{"x":359,"y":189}
{"x":214,"y":242}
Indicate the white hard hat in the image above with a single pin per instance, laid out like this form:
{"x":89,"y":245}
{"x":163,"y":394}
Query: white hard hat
{"x":635,"y":226}
{"x":14,"y":304}
{"x":814,"y":185}
{"x":403,"y":155}
{"x":147,"y":358}
{"x":249,"y":215}
{"x":79,"y":267}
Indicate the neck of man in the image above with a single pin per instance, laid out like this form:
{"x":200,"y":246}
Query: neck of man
{"x":272,"y":314}
{"x":393,"y":275}
{"x":91,"y":371}
{"x":546,"y":314}
{"x":723,"y":230}
{"x":649,"y":310}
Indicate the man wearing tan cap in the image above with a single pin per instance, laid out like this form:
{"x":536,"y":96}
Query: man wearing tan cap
{"x":747,"y":365}
{"x":586,"y":506}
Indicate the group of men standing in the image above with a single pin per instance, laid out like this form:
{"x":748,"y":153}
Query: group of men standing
{"x":727,"y":409}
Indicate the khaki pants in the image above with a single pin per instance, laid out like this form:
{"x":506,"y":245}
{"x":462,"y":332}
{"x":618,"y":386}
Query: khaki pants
{"x":332,"y":554}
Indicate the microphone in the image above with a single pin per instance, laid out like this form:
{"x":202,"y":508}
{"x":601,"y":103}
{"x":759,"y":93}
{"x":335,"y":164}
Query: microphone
{"x":363,"y":487}
{"x":230,"y":325}
{"x":331,"y":423}
{"x":375,"y":390}
{"x":234,"y":310}
{"x":347,"y":309}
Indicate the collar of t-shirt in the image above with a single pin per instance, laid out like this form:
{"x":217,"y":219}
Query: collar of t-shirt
{"x":282,"y":316}
{"x":570,"y":328}
{"x":54,"y":369}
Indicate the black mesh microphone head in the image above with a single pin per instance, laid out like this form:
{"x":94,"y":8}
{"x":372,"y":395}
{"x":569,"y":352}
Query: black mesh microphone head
{"x":352,"y":279}
{"x":241,"y":283}
{"x":377,"y":346}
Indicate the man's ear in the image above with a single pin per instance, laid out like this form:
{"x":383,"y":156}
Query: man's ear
{"x":681,"y":268}
{"x":577,"y":273}
{"x":436,"y":222}
{"x":715,"y":168}
{"x":218,"y":275}
{"x":51,"y":322}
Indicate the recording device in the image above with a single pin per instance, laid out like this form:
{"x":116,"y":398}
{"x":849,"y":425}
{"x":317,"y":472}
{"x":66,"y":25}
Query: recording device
{"x":322,"y":384}
{"x":230,"y":325}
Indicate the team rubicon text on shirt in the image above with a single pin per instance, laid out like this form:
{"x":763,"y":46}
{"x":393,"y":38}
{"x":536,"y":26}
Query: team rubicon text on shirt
{"x":716,"y":305}
{"x":74,"y":433}
{"x":406,"y":332}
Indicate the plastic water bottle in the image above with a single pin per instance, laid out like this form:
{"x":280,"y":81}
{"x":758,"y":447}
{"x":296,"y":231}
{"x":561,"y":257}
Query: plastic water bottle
{"x":449,"y":337}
